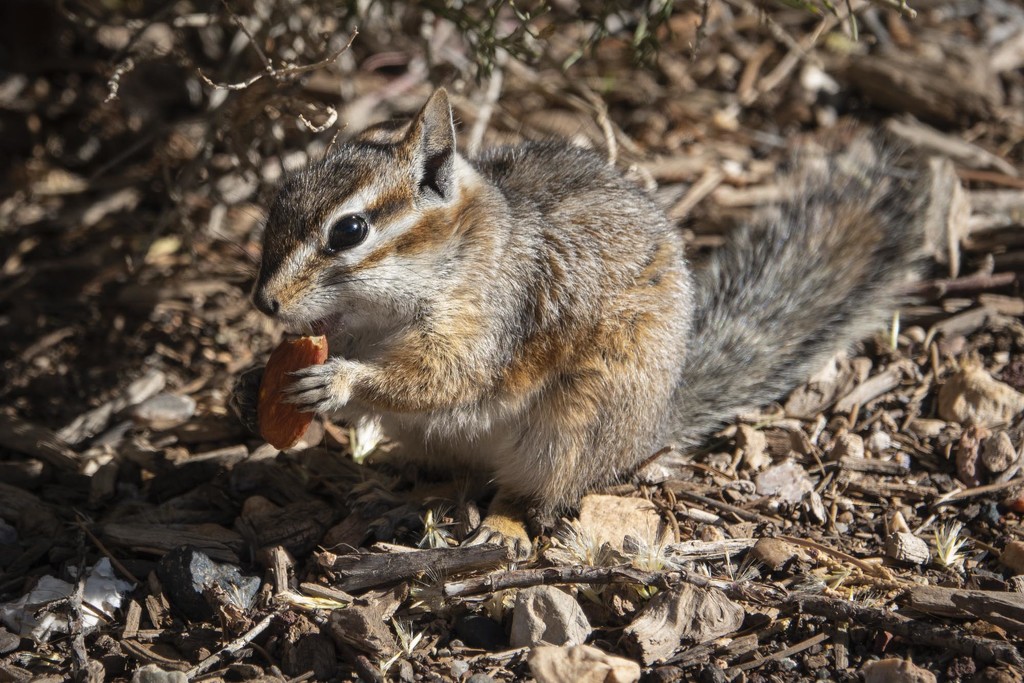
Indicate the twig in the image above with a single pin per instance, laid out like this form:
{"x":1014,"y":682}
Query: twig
{"x":707,"y":183}
{"x":742,"y":513}
{"x":232,"y":647}
{"x":961,"y":494}
{"x":280,"y":74}
{"x":476,"y":133}
{"x":106,"y":552}
{"x":114,"y":82}
{"x":939,"y":635}
{"x":31,"y":439}
{"x":702,"y":29}
{"x":267,"y":64}
{"x":601,"y":109}
{"x":332,"y":117}
{"x":781,"y":654}
{"x":524,"y":578}
{"x":866,"y":567}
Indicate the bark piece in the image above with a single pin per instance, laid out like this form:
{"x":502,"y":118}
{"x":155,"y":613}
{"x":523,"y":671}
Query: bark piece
{"x":905,"y":547}
{"x":365,"y":570}
{"x":93,"y":422}
{"x":31,"y":439}
{"x":362,"y":627}
{"x":684,"y":615}
{"x":960,"y":85}
{"x":1002,"y":608}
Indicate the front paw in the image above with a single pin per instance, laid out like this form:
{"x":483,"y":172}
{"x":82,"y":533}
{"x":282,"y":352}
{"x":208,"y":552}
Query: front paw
{"x":498,"y":529}
{"x":322,"y":388}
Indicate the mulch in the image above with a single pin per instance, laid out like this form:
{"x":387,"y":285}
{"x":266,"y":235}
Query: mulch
{"x":133,"y":194}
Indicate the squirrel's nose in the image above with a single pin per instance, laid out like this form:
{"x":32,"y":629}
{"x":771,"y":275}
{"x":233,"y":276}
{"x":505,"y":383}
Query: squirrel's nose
{"x":265,"y":303}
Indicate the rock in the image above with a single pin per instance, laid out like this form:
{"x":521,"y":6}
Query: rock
{"x":998,"y":453}
{"x":773,"y":553}
{"x":1013,"y":556}
{"x":787,"y":480}
{"x":608,"y":519}
{"x":151,"y":673}
{"x":848,"y":445}
{"x":878,"y":442}
{"x":906,"y":547}
{"x":164,"y":411}
{"x":682,"y":616}
{"x":480,"y":678}
{"x":544,"y":614}
{"x":581,"y":664}
{"x":896,"y":671}
{"x":9,"y":642}
{"x":478,"y":631}
{"x":972,"y":396}
{"x":198,"y":587}
{"x":459,"y":668}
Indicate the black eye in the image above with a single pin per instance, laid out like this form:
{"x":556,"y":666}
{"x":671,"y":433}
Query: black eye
{"x":346,"y":233}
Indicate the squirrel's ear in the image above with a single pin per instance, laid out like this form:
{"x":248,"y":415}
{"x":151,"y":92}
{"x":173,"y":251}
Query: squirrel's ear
{"x":431,"y":140}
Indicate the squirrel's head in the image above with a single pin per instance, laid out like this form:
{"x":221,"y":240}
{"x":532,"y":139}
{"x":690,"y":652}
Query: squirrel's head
{"x":354,"y":238}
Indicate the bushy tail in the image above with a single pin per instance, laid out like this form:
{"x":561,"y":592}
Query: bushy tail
{"x":790,"y":290}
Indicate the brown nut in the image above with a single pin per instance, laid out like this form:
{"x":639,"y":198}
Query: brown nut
{"x":281,"y":424}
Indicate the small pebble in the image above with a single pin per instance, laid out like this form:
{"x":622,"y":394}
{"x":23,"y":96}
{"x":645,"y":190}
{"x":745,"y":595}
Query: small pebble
{"x":787,"y":480}
{"x":151,"y":673}
{"x":1013,"y":556}
{"x":848,"y":446}
{"x":878,"y":442}
{"x":164,"y":411}
{"x":998,"y":453}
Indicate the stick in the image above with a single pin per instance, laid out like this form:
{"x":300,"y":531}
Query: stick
{"x":232,"y":647}
{"x":940,"y":635}
{"x":525,"y":578}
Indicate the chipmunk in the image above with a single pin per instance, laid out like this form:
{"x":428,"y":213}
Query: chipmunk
{"x":531,"y":313}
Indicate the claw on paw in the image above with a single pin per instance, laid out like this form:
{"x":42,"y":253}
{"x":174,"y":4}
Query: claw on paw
{"x":499,"y":529}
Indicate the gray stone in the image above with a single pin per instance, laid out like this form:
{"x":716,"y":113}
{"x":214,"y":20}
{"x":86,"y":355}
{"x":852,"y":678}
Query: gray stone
{"x":164,"y":411}
{"x":544,"y":614}
{"x":787,"y":480}
{"x":151,"y":673}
